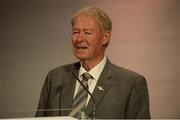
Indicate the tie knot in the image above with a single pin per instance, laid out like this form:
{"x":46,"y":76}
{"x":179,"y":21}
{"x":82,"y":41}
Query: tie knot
{"x":86,"y":76}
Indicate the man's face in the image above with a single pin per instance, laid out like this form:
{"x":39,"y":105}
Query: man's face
{"x":87,"y":39}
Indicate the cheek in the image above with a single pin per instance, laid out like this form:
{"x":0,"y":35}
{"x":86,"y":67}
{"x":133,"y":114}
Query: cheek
{"x":73,"y":40}
{"x":97,"y":43}
{"x":95,"y":46}
{"x":73,"y":37}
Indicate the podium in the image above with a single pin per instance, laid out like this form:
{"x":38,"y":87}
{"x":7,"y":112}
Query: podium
{"x":44,"y":118}
{"x":30,"y":115}
{"x":52,"y":114}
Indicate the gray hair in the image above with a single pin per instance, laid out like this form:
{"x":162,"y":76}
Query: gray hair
{"x":102,"y":19}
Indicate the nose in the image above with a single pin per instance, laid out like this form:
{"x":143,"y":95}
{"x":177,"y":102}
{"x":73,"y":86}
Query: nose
{"x":80,"y":37}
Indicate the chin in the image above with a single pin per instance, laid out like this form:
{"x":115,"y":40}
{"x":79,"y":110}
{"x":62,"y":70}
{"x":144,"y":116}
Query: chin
{"x":81,"y":57}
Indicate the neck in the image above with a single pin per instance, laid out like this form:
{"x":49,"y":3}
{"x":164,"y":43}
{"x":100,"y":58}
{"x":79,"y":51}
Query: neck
{"x":89,"y":64}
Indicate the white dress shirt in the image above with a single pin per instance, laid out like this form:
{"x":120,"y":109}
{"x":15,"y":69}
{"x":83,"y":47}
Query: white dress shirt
{"x":95,"y":73}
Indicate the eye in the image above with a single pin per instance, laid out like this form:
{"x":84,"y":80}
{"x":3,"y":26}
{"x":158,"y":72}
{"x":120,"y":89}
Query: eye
{"x":75,"y":32}
{"x":88,"y":33}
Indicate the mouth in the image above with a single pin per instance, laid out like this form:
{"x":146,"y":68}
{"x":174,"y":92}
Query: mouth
{"x":81,"y":47}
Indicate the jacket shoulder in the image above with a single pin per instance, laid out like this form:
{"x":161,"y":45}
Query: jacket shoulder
{"x":59,"y":72}
{"x":64,"y":68}
{"x":125,"y":73}
{"x":55,"y":76}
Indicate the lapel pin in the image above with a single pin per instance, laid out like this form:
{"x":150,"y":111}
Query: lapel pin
{"x":100,"y":88}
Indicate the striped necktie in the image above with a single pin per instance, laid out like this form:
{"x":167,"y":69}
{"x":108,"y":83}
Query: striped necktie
{"x":80,"y":100}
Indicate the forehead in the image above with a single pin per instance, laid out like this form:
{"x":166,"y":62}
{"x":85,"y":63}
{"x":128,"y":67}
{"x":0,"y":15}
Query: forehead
{"x":85,"y":21}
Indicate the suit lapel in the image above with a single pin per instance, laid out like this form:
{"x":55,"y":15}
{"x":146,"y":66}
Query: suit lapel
{"x":101,"y":88}
{"x":68,"y":91}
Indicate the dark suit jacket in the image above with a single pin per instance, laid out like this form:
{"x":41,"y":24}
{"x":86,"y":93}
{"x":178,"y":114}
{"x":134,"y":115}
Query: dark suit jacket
{"x":125,"y":93}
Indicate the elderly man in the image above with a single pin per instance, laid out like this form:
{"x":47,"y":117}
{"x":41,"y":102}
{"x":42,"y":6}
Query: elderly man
{"x":93,"y":87}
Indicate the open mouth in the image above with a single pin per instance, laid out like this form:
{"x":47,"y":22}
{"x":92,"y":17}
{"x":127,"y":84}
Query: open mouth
{"x":81,"y":47}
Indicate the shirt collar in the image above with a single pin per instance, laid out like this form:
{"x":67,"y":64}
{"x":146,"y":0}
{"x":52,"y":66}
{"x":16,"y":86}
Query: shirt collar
{"x":96,"y":70}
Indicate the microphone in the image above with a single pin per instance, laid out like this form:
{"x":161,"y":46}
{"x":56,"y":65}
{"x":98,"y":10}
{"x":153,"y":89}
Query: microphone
{"x":94,"y":103}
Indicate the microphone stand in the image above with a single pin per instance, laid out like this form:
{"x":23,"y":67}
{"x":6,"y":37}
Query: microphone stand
{"x":94,"y":105}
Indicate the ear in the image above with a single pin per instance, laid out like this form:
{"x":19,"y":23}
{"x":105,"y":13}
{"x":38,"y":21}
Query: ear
{"x":106,"y":37}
